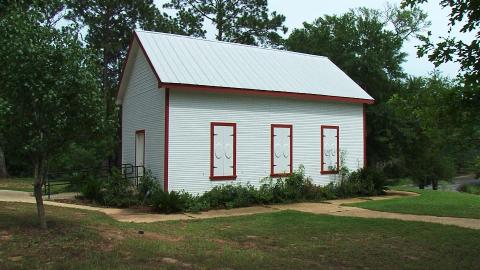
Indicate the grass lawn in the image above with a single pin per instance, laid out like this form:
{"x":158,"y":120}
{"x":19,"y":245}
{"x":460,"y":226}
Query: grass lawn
{"x":19,"y":184}
{"x":430,"y":202}
{"x":282,"y":240}
{"x":26,"y":184}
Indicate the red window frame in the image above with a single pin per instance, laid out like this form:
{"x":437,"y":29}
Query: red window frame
{"x":323,"y":170}
{"x":223,"y":177}
{"x":141,"y":131}
{"x":272,"y":149}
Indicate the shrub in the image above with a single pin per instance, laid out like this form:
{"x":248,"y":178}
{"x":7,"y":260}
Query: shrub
{"x":147,"y":186}
{"x":230,"y":196}
{"x":170,"y":202}
{"x":119,"y":191}
{"x":363,"y":182}
{"x":470,"y":188}
{"x":92,"y":189}
{"x":113,"y":191}
{"x":476,"y":167}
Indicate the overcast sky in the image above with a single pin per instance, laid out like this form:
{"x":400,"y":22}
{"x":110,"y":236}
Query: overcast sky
{"x":299,"y":11}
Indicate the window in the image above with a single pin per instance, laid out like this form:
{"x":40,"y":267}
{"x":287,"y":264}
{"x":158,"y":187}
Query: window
{"x":223,"y":151}
{"x":330,"y":149}
{"x":139,"y":151}
{"x":281,"y":150}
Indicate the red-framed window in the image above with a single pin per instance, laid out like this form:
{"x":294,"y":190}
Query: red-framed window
{"x":330,"y":149}
{"x":223,"y":151}
{"x":140,"y":141}
{"x":281,"y":150}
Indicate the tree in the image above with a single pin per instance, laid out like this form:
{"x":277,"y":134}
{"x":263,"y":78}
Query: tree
{"x":3,"y":165}
{"x":239,"y":21}
{"x":426,"y":130}
{"x":465,"y":13}
{"x":109,"y":25}
{"x":362,"y":43}
{"x":50,"y":95}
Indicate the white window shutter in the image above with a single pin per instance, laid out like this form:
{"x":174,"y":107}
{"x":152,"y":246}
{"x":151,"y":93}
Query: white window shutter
{"x":228,"y":145}
{"x":330,"y":150}
{"x":281,"y":150}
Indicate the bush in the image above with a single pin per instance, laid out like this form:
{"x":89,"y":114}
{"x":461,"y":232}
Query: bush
{"x":363,"y":182}
{"x":114,"y":191}
{"x":476,"y":167}
{"x":119,"y":192}
{"x":230,"y":196}
{"x":147,"y":186}
{"x":170,"y":202}
{"x":92,"y":190}
{"x":470,"y":188}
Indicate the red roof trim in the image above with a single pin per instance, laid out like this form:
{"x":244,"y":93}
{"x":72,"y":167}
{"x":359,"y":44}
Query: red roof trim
{"x":236,"y":90}
{"x":231,"y":90}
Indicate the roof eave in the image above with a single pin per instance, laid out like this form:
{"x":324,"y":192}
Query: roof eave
{"x":231,"y":90}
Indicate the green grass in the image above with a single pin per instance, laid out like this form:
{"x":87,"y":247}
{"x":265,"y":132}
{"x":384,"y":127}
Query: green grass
{"x":26,"y":184}
{"x":282,"y":240}
{"x":430,"y":202}
{"x":19,"y":184}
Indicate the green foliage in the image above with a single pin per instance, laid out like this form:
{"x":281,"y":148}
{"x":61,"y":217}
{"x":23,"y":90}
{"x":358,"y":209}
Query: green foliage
{"x":367,"y":45}
{"x":293,"y":188}
{"x":466,"y":15}
{"x":428,"y":130}
{"x":363,"y":182}
{"x":114,"y":190}
{"x":147,"y":186}
{"x":477,"y":167}
{"x":230,"y":196}
{"x":170,"y":202}
{"x":470,"y":188}
{"x":46,"y":77}
{"x":247,"y":21}
{"x":92,"y":189}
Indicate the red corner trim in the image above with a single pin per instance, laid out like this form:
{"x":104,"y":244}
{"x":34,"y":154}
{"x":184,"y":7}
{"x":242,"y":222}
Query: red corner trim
{"x":230,"y":90}
{"x":167,"y":134}
{"x":323,"y":170}
{"x":272,"y":150}
{"x":364,"y":136}
{"x":141,"y":131}
{"x":223,"y":177}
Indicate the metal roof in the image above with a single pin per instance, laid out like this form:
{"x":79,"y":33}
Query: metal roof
{"x":199,"y":62}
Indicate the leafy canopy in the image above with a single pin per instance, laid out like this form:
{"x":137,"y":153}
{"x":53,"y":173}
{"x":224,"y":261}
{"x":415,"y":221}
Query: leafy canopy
{"x":49,"y":95}
{"x":239,"y":21}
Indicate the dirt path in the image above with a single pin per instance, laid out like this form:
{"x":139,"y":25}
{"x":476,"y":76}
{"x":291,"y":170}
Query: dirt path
{"x":333,"y":207}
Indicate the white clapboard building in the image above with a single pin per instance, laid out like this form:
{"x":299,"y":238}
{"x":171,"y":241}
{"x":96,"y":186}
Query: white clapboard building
{"x":200,"y":113}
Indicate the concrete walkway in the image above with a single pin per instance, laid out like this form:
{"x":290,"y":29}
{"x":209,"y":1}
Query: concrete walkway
{"x":333,"y":207}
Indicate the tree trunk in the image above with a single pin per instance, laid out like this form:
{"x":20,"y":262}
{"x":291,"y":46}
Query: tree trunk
{"x":37,"y":188}
{"x":3,"y":166}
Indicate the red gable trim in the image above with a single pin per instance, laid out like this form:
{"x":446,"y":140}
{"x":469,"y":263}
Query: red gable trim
{"x":231,"y":90}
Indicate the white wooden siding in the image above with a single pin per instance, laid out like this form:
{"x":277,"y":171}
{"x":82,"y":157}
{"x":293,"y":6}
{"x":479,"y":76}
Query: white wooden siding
{"x":191,"y":113}
{"x":143,"y":108}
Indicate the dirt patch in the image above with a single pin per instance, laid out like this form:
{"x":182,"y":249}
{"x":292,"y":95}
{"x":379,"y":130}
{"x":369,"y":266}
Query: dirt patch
{"x":160,"y":237}
{"x":5,"y":236}
{"x":15,"y":258}
{"x":176,"y":262}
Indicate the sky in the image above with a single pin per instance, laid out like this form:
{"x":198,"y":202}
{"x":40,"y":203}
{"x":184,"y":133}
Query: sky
{"x":299,"y":11}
